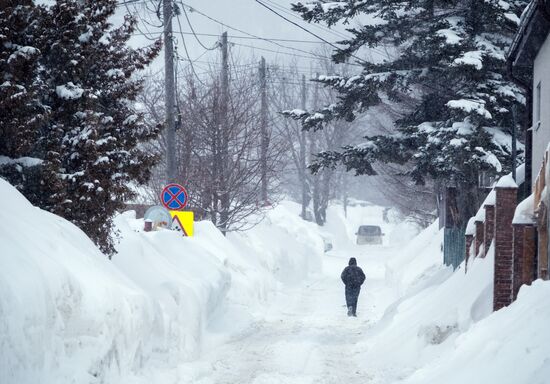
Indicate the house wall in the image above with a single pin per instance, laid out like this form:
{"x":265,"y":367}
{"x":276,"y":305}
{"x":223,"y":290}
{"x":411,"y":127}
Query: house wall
{"x":541,"y":133}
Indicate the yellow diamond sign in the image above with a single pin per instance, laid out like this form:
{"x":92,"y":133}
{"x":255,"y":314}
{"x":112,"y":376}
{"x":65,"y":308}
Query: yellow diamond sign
{"x":182,"y":221}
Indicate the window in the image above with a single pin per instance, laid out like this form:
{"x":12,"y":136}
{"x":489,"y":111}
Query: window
{"x":369,"y":230}
{"x":537,"y":106}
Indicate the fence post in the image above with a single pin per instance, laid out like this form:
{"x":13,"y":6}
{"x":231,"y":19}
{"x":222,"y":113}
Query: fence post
{"x":506,"y":202}
{"x":524,"y":256}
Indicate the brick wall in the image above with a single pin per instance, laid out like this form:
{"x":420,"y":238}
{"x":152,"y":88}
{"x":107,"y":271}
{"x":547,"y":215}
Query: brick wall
{"x":524,"y":256}
{"x":506,"y":201}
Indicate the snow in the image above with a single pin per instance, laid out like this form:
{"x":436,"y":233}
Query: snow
{"x":468,"y":106}
{"x":490,"y":199}
{"x":471,"y":227}
{"x":473,"y":58}
{"x":506,"y":181}
{"x":492,"y":160}
{"x":115,"y":72}
{"x":69,"y":91}
{"x":451,"y":37}
{"x":463,"y":127}
{"x":24,"y":52}
{"x":22,"y":161}
{"x":75,"y":316}
{"x":525,"y":211}
{"x":512,"y":17}
{"x":262,"y":306}
{"x":457,"y":142}
{"x":507,"y":347}
{"x":520,"y":174}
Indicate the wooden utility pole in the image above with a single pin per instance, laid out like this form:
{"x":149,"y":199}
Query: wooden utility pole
{"x":303,"y":153}
{"x":169,"y":93}
{"x":264,"y":134}
{"x":224,"y":136}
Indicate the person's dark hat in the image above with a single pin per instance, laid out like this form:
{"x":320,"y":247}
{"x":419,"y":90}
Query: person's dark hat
{"x":352,"y":261}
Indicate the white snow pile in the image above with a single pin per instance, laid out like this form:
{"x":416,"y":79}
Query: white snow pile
{"x":525,"y":211}
{"x":441,"y":328}
{"x":69,"y":91}
{"x":468,"y":106}
{"x":69,"y":315}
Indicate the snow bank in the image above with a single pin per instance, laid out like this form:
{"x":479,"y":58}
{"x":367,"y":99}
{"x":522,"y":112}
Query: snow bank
{"x":441,"y":328}
{"x":423,"y":325}
{"x":414,"y":266}
{"x":508,"y":347}
{"x":69,"y":315}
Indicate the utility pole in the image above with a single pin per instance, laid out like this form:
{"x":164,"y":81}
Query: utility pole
{"x":264,"y":134}
{"x":315,"y":179}
{"x":169,"y":94}
{"x":224,"y":135}
{"x":303,"y":153}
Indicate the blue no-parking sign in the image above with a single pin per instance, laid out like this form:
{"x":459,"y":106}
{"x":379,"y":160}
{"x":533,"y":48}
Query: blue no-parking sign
{"x":174,"y":197}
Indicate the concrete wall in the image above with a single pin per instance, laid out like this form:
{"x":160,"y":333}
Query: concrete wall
{"x":541,"y":134}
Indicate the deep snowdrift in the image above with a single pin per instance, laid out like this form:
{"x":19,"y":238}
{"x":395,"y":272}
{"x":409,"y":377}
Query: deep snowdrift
{"x":69,"y":315}
{"x":441,"y":328}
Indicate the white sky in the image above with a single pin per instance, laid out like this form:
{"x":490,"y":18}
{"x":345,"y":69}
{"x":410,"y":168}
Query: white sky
{"x":248,"y":16}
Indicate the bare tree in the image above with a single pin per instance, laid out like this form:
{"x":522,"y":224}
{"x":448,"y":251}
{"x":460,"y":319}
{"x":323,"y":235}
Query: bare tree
{"x":218,"y":158}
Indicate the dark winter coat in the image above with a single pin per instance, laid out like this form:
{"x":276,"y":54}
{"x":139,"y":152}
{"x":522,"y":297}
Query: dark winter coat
{"x":352,"y":275}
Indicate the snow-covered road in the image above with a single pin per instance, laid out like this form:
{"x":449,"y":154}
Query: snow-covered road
{"x":304,"y":335}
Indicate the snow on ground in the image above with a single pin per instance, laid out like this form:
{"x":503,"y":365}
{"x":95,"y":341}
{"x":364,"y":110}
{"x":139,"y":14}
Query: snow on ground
{"x":264,"y":306}
{"x":68,"y":314}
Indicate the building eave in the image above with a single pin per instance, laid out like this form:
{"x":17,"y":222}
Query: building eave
{"x":533,"y":31}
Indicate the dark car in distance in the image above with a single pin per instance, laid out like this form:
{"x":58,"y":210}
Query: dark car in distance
{"x":369,"y":234}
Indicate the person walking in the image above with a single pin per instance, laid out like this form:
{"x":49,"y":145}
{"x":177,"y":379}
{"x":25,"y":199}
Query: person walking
{"x":353,"y":277}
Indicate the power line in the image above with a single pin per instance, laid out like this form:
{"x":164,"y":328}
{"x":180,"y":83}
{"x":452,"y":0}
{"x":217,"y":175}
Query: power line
{"x":305,"y":29}
{"x":290,"y":13}
{"x":186,"y":51}
{"x":120,"y":3}
{"x":194,"y":34}
{"x":147,"y":34}
{"x":247,"y":33}
{"x":283,"y":53}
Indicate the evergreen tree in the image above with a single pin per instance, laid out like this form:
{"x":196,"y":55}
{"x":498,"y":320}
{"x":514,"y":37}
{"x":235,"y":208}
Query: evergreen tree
{"x":94,"y":132}
{"x":22,"y":112}
{"x":449,"y":55}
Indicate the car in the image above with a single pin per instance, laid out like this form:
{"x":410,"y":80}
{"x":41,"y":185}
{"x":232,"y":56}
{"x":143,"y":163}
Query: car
{"x":369,"y":234}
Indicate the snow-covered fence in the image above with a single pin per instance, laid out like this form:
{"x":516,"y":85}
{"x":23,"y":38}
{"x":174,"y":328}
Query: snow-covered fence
{"x":512,"y":232}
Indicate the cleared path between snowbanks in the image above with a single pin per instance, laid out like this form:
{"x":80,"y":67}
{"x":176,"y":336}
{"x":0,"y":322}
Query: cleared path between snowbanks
{"x":305,"y":335}
{"x":419,"y":323}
